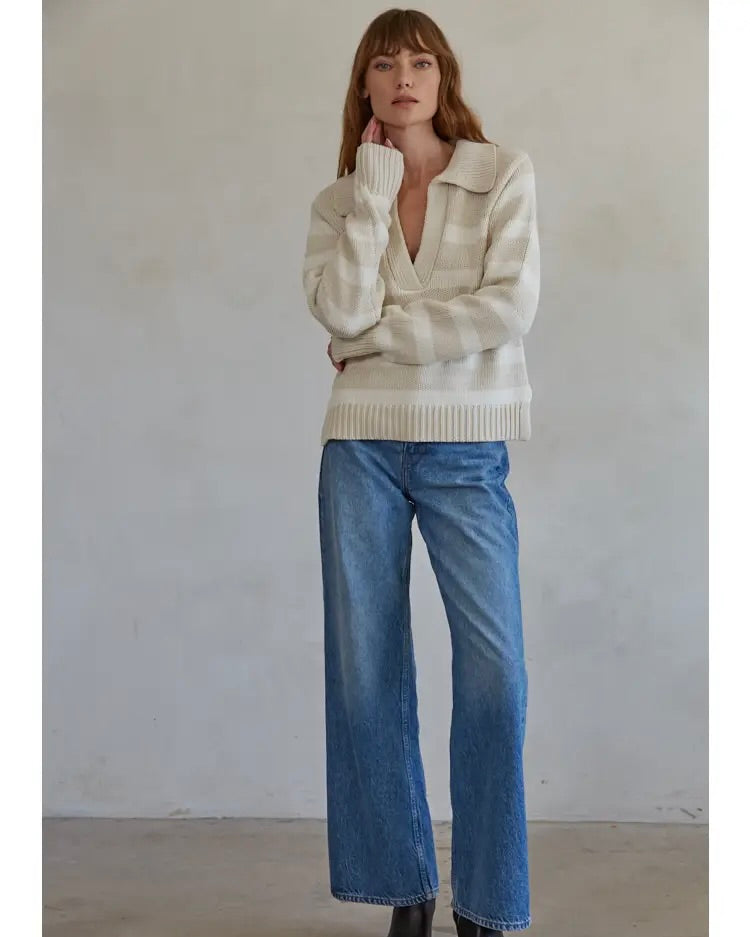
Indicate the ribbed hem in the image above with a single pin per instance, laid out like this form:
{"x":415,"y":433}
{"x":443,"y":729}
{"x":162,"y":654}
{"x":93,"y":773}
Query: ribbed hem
{"x":380,"y":169}
{"x":428,"y":422}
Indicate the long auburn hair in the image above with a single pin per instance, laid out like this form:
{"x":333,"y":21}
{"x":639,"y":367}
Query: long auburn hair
{"x":386,"y":34}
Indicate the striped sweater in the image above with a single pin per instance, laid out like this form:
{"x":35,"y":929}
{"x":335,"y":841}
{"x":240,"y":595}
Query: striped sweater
{"x":434,"y":347}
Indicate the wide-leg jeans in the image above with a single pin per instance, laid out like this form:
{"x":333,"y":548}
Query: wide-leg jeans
{"x":380,"y":839}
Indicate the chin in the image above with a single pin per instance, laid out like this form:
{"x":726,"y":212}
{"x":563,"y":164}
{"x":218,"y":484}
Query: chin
{"x":405,"y":117}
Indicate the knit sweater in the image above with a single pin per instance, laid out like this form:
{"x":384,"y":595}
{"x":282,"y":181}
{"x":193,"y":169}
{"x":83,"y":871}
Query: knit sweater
{"x":434,"y":347}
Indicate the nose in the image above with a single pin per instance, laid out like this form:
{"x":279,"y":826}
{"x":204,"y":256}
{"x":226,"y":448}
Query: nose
{"x":404,"y":80}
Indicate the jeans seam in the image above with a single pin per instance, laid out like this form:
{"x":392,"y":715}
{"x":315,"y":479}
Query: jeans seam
{"x":418,"y":842}
{"x":321,"y":507}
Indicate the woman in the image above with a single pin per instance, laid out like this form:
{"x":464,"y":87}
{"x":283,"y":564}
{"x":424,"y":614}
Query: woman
{"x":422,"y":263}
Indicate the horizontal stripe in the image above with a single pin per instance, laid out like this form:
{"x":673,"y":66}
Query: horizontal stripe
{"x":454,"y":233}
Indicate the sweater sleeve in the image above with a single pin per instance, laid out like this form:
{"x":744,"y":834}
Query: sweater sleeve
{"x":340,"y":277}
{"x":500,"y":310}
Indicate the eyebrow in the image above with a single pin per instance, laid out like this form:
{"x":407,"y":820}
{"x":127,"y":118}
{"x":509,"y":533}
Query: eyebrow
{"x":411,"y":54}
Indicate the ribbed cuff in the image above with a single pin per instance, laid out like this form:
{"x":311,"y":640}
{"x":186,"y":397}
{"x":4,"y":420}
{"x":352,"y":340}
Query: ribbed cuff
{"x":364,"y":344}
{"x":380,"y":168}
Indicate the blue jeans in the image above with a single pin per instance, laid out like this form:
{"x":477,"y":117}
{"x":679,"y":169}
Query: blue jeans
{"x":380,"y":840}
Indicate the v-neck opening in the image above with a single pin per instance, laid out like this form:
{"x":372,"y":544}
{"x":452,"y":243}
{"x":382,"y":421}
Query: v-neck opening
{"x":415,"y":274}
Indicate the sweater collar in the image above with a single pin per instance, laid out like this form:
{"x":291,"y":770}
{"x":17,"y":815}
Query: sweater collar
{"x":472,"y":166}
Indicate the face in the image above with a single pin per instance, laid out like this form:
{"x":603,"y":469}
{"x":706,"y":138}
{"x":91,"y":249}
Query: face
{"x":415,"y":74}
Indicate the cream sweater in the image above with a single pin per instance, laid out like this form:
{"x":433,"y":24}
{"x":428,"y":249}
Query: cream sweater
{"x":433,"y":348}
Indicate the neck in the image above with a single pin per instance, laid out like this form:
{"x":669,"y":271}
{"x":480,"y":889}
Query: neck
{"x":425,"y":154}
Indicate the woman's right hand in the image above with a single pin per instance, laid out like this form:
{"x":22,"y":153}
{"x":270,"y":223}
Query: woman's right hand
{"x":374,"y":133}
{"x":339,"y":365}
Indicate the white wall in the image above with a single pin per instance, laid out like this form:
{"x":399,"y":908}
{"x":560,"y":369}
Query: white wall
{"x":185,"y":384}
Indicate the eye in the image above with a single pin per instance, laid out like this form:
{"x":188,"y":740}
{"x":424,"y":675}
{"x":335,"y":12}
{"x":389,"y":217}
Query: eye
{"x":420,"y":62}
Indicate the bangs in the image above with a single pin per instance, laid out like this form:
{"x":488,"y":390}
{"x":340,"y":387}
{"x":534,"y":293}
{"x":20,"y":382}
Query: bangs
{"x":396,"y":36}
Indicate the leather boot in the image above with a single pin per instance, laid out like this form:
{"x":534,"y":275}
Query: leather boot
{"x":413,"y":920}
{"x":467,"y":928}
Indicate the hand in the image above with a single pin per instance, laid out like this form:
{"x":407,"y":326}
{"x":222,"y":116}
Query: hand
{"x":374,"y":133}
{"x":339,"y":365}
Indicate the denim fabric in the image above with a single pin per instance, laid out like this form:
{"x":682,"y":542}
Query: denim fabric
{"x":380,"y":840}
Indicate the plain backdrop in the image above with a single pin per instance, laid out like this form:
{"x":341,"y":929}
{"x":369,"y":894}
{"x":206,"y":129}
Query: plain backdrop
{"x":185,"y":383}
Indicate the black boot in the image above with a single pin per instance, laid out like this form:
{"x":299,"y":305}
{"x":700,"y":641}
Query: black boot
{"x":467,"y":928}
{"x":413,"y":920}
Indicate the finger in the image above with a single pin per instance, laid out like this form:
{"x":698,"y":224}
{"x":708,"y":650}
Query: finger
{"x":367,"y":134}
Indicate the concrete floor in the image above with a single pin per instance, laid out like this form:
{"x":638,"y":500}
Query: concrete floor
{"x":269,"y":878}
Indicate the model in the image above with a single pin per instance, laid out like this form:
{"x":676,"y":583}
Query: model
{"x":422,"y":264}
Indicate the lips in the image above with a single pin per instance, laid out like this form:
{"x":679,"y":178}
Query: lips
{"x":405,"y":101}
